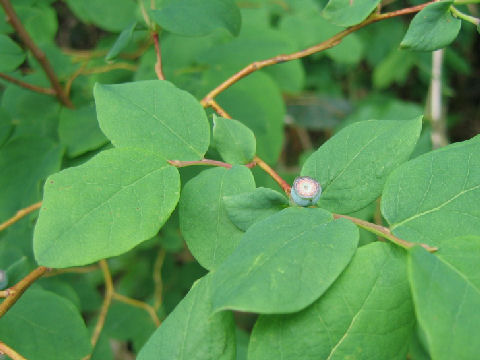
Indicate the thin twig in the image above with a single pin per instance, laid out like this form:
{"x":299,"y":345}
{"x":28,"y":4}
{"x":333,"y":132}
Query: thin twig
{"x":333,"y":41}
{"x":439,"y":126}
{"x":36,"y":51}
{"x":384,"y":232}
{"x":39,"y":89}
{"x":157,"y":279}
{"x":106,"y":302}
{"x":14,"y":293}
{"x":73,"y":270}
{"x":7,"y":350}
{"x":140,"y":304}
{"x":20,"y":214}
{"x":284,"y":185}
{"x":158,"y":64}
{"x":207,"y":162}
{"x":218,"y":109}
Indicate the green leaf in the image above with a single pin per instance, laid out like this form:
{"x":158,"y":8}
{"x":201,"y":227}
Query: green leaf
{"x":11,"y":55}
{"x":116,"y":200}
{"x":122,"y":42}
{"x":254,"y":46}
{"x":248,"y":208}
{"x":111,"y":15}
{"x":352,"y":166}
{"x":285,"y":262}
{"x":191,"y":332}
{"x":257,"y":102}
{"x":210,"y":235}
{"x":153,"y":115}
{"x":435,"y":196}
{"x":129,"y":323}
{"x":25,"y":164}
{"x":40,"y":21}
{"x":234,"y":141}
{"x":446,"y":293}
{"x":432,"y":28}
{"x":45,"y":326}
{"x":366,"y":314}
{"x":5,"y":126}
{"x":79,"y":131}
{"x":348,"y":12}
{"x":198,"y":17}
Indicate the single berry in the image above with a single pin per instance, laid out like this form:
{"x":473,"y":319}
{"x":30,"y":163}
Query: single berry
{"x":305,"y":191}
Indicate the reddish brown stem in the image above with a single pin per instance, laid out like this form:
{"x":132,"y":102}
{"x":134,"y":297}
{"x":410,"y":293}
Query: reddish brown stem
{"x":158,"y":64}
{"x":28,"y":86}
{"x":284,"y":185}
{"x":36,"y":52}
{"x":14,"y":293}
{"x":333,"y":41}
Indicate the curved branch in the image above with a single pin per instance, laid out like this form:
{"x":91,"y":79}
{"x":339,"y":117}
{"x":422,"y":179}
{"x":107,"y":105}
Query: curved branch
{"x":36,"y":52}
{"x":14,"y":293}
{"x":333,"y":41}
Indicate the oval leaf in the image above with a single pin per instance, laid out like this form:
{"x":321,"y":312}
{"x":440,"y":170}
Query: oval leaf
{"x":198,"y":17}
{"x":191,"y":332}
{"x":349,"y":12}
{"x":285,"y":262}
{"x":446,"y":293}
{"x":432,"y":28}
{"x":366,"y":314}
{"x":153,"y":115}
{"x":234,"y":141}
{"x":248,"y":208}
{"x":104,"y":207}
{"x":204,"y":222}
{"x":45,"y":326}
{"x":435,"y":196}
{"x":352,"y":166}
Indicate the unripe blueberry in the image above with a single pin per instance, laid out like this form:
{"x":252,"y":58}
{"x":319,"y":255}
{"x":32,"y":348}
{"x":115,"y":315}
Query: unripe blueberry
{"x":305,"y":191}
{"x":3,"y":279}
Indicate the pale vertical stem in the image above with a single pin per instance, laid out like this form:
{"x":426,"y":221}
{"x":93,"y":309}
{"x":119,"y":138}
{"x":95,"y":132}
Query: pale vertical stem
{"x":439,"y":128}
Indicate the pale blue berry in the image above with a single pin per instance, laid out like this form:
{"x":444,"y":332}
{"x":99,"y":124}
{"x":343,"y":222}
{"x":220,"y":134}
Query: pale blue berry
{"x":305,"y":191}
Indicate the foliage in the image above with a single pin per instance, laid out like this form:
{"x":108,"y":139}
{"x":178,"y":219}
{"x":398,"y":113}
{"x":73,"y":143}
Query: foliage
{"x":138,"y":242}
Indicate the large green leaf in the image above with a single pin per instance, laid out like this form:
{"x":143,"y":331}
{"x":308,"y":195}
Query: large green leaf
{"x":191,"y":332}
{"x":153,"y":115}
{"x":435,"y":196}
{"x":79,"y":131}
{"x":11,"y":55}
{"x":198,"y":17}
{"x":209,"y":233}
{"x":234,"y":141}
{"x":248,"y":208}
{"x":285,"y":262}
{"x":348,"y":12}
{"x":446,"y":293}
{"x":104,"y":207}
{"x":352,"y":166}
{"x":25,"y":163}
{"x":366,"y":314}
{"x":432,"y":28}
{"x":45,"y":326}
{"x":111,"y":15}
